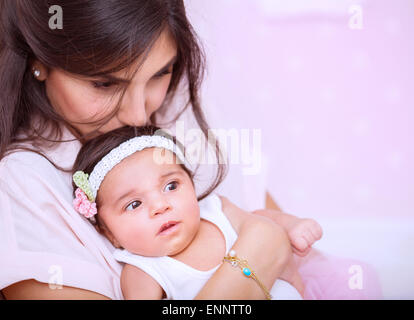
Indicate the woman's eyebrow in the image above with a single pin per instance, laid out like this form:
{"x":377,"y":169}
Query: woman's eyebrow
{"x":167,"y":65}
{"x":112,"y":78}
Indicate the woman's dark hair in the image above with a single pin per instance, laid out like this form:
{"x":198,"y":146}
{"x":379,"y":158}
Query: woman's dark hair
{"x":95,"y":149}
{"x":97,"y":38}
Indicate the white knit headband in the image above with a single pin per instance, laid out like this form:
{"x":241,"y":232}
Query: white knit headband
{"x":90,"y":186}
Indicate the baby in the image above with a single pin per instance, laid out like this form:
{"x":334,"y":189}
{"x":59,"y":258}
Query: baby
{"x":170,"y":241}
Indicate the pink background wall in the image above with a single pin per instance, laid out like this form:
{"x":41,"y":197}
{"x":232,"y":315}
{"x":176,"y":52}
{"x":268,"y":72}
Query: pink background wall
{"x":335,"y":106}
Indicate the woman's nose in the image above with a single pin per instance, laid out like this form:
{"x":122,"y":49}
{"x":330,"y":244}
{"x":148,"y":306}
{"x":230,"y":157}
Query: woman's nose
{"x":133,"y":109}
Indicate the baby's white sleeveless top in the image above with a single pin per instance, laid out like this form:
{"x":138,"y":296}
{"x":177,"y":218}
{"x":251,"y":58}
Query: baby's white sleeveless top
{"x":182,"y":282}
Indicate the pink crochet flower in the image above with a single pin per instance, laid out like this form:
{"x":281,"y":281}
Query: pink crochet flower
{"x":83,"y":205}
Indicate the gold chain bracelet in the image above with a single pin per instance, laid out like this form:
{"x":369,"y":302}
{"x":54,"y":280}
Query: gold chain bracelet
{"x":246,"y":270}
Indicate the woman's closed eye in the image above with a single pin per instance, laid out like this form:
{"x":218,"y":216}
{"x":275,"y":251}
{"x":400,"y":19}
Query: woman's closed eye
{"x":163,"y":73}
{"x":104,"y":84}
{"x":110,"y":84}
{"x":133,"y":205}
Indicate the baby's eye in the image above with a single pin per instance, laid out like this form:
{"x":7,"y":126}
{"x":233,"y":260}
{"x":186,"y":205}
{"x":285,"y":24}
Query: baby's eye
{"x":133,"y":205}
{"x":171,"y":186}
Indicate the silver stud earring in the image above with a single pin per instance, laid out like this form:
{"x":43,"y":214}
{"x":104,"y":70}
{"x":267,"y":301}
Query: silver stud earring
{"x":36,"y":73}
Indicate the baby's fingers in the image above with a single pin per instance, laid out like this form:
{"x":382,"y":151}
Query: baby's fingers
{"x":307,"y":234}
{"x":316,"y":231}
{"x":319,"y":232}
{"x":301,"y":253}
{"x":300,"y":243}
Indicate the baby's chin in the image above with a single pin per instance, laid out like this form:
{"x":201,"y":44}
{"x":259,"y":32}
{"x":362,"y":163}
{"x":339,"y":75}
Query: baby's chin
{"x":180,"y":247}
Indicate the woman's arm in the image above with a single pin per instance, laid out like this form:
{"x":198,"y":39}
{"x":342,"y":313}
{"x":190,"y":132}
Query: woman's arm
{"x":138,"y":285}
{"x":254,"y":232}
{"x":268,"y":263}
{"x":26,"y":290}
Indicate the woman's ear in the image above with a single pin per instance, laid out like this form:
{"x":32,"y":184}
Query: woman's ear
{"x":39,"y":70}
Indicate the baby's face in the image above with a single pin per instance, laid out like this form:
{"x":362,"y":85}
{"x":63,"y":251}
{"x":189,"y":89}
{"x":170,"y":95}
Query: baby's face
{"x":148,"y":208}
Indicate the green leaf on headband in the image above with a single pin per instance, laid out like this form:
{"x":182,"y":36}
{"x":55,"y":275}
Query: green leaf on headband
{"x":81,"y":180}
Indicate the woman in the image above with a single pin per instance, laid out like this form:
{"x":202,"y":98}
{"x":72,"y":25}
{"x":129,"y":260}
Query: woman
{"x":113,"y":63}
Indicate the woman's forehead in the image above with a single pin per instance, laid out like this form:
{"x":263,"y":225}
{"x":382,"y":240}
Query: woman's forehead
{"x":162,"y":53}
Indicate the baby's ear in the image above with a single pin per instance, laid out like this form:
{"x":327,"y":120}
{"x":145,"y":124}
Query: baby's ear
{"x":102,"y":229}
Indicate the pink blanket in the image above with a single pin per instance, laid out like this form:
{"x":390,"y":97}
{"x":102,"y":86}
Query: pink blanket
{"x":327,"y":277}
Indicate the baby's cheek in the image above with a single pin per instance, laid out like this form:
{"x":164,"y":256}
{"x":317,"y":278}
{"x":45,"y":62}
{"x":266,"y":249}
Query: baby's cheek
{"x":137,"y":240}
{"x":194,"y":209}
{"x":193,"y":217}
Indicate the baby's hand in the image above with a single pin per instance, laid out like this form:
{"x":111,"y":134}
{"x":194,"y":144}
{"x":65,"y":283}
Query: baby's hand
{"x":303,"y":233}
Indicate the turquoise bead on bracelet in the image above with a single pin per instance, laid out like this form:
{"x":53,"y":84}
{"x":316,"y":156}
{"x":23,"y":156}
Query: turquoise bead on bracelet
{"x":247,"y":272}
{"x":243,"y":265}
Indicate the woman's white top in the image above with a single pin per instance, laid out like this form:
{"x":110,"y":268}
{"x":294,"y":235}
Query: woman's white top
{"x":43,"y":238}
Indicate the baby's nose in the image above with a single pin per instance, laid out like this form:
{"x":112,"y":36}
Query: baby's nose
{"x":160,"y":209}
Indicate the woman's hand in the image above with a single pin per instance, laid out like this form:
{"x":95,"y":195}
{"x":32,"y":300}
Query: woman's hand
{"x":265,"y":237}
{"x":266,"y":247}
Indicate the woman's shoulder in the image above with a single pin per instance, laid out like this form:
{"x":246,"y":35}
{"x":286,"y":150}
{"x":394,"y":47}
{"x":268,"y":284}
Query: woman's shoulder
{"x":22,"y":165}
{"x":28,"y":175}
{"x":61,"y":153}
{"x":18,"y":157}
{"x":40,"y":161}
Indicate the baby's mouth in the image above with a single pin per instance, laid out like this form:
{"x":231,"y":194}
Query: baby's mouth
{"x":167,"y":227}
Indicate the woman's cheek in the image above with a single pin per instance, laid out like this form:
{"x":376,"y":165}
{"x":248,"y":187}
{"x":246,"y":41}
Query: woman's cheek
{"x":77,"y":100}
{"x":87,"y":105}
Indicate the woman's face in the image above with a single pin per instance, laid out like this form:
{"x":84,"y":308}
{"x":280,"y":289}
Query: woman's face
{"x":81,"y":100}
{"x":148,"y":208}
